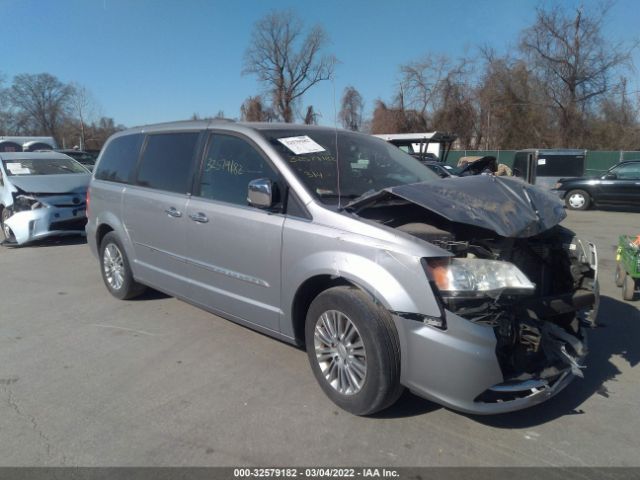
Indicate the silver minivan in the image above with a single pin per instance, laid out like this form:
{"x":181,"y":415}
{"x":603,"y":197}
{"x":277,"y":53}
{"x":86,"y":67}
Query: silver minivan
{"x":466,"y":291}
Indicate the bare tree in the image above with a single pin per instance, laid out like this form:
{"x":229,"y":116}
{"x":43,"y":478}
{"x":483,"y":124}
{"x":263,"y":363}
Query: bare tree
{"x":395,"y":119}
{"x":311,"y":117}
{"x":351,"y":109}
{"x":286,"y":61}
{"x":422,"y":82}
{"x":512,"y":109}
{"x":253,"y":110}
{"x":84,"y":109}
{"x":42,"y":100}
{"x":575,"y":61}
{"x":457,"y":112}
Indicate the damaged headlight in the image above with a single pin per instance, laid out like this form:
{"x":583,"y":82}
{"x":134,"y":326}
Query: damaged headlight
{"x":26,"y":202}
{"x":473,"y":277}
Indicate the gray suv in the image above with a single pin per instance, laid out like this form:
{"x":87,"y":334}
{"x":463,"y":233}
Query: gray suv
{"x":465,"y":291}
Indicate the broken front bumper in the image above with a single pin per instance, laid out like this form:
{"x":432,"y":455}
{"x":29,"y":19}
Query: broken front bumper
{"x":30,"y":225}
{"x":458,"y":368}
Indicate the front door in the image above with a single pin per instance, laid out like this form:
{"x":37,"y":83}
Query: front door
{"x":624,"y":189}
{"x":234,"y":250}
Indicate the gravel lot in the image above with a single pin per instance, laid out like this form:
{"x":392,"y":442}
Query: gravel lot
{"x":88,"y":380}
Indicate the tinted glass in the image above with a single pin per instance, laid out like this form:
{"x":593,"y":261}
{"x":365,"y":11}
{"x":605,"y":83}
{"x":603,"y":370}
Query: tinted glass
{"x":560,"y":165}
{"x":339,"y":163}
{"x":10,"y":147}
{"x":119,"y":159}
{"x":628,"y":172}
{"x":42,"y":166}
{"x":167,"y":160}
{"x":520,"y":165}
{"x":229,"y":165}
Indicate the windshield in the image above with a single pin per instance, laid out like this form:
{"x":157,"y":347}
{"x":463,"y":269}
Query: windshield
{"x":366,"y":164}
{"x":42,"y":166}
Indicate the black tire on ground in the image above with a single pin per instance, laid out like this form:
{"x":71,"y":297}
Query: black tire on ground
{"x":7,"y":234}
{"x":620,"y":273}
{"x":127,"y":287}
{"x":577,"y":200}
{"x":629,"y":288}
{"x":380,"y":386}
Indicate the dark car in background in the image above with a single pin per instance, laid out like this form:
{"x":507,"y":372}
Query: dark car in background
{"x":87,"y":159}
{"x":441,"y":169}
{"x":619,"y":186}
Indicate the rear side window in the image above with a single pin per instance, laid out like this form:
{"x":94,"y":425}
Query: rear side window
{"x":119,"y":159}
{"x":167,"y":161}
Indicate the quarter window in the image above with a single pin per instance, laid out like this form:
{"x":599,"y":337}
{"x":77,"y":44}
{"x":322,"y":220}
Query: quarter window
{"x":167,"y":161}
{"x":229,"y":165}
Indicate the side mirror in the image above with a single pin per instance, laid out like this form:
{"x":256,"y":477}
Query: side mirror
{"x":610,"y":176}
{"x":260,"y":193}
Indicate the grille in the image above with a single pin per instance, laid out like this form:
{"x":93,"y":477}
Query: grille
{"x":75,"y":224}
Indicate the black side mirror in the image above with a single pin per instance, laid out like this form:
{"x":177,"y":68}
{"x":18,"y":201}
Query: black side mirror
{"x":609,"y":176}
{"x":260,"y":193}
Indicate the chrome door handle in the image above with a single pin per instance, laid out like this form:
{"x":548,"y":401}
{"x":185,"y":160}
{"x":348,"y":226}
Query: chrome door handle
{"x":172,"y":212}
{"x":199,"y":217}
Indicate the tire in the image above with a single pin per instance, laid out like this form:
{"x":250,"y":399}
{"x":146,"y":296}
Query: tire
{"x":577,"y":200}
{"x":7,"y":234}
{"x":370,"y":380}
{"x":620,"y":274}
{"x":629,"y":288}
{"x":115,"y":269}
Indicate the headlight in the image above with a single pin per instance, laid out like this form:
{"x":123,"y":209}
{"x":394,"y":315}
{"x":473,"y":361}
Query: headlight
{"x":25,"y":202}
{"x":472,"y":277}
{"x":557,"y":186}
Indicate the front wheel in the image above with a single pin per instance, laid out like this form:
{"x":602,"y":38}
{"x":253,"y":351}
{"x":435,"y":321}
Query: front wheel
{"x":354,"y":350}
{"x":577,"y":200}
{"x":629,"y":287}
{"x":116,"y":271}
{"x":6,"y":230}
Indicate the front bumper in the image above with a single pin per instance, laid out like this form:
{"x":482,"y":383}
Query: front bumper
{"x":31,"y":225}
{"x":458,"y":368}
{"x":560,"y":193}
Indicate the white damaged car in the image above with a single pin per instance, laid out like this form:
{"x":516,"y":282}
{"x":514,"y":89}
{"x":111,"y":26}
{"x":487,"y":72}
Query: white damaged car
{"x":42,"y":194}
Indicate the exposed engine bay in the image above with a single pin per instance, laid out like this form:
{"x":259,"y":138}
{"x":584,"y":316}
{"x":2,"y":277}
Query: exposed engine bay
{"x":540,"y":327}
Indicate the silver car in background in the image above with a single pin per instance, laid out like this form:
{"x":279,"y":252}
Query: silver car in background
{"x":466,"y":291}
{"x":42,"y":194}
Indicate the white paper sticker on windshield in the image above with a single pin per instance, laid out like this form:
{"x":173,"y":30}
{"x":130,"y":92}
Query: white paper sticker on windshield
{"x":301,"y":145}
{"x":17,"y":169}
{"x":542,"y":161}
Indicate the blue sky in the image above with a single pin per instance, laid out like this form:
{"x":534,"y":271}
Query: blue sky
{"x":147,"y":61}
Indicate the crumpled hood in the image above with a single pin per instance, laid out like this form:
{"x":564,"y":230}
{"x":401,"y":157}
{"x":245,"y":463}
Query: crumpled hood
{"x":64,"y":183}
{"x":509,"y":207}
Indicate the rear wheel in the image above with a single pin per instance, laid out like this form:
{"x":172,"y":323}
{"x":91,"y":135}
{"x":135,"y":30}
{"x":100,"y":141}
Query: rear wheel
{"x":577,"y":200}
{"x":6,"y":231}
{"x":620,"y":274}
{"x":354,"y":351}
{"x":629,"y":288}
{"x":115,"y":269}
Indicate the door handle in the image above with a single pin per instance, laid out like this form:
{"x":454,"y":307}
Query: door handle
{"x":172,"y":212}
{"x":199,"y":217}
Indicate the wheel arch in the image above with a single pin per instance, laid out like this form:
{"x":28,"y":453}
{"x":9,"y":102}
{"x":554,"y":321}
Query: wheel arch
{"x":101,"y":231}
{"x":308,"y":291}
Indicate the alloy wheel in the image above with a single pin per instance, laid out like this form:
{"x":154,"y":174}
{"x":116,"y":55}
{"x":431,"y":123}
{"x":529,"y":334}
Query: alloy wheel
{"x":113,"y":264}
{"x":340,"y":352}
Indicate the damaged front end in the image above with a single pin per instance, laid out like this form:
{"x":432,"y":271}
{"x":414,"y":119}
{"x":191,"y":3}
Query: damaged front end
{"x":510,"y":267}
{"x":35,"y":216}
